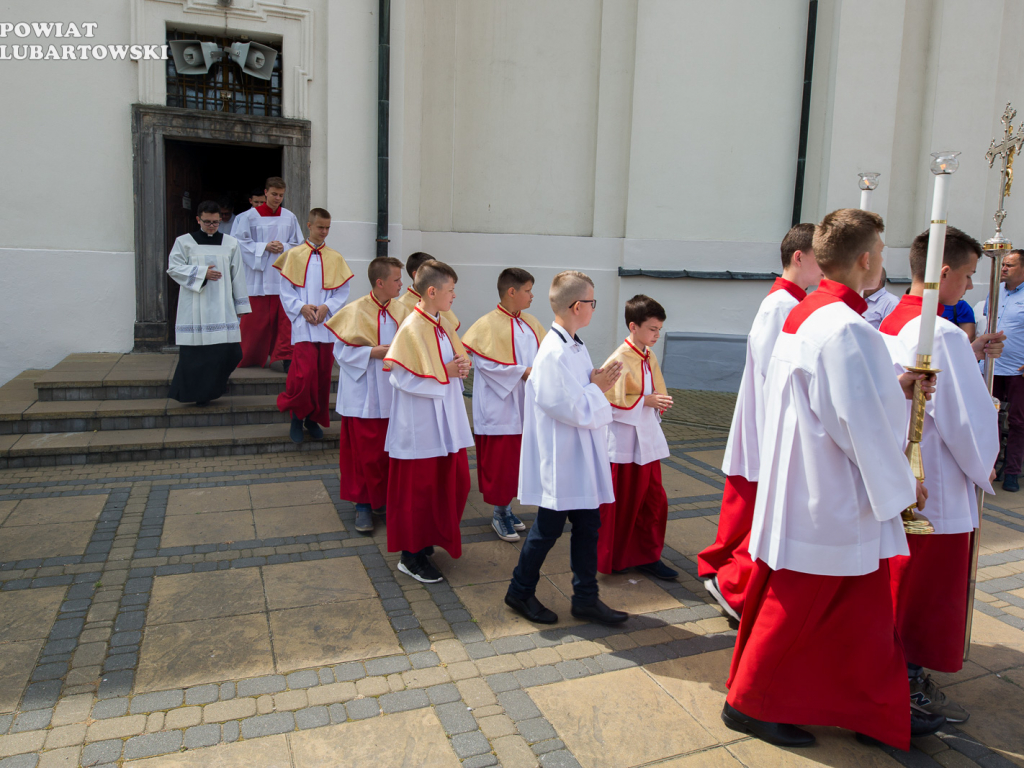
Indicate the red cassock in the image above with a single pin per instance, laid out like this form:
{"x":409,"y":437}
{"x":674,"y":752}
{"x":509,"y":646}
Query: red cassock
{"x":426,"y":498}
{"x":929,"y":591}
{"x":728,"y":556}
{"x":633,"y":526}
{"x":497,"y":467}
{"x":266,"y":331}
{"x":307,"y":392}
{"x":363,"y":462}
{"x":822,"y":650}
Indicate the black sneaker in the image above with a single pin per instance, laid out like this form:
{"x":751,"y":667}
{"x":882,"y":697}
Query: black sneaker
{"x":364,"y":518}
{"x":286,"y":365}
{"x":296,"y":431}
{"x":314,"y":429}
{"x":1010,"y":483}
{"x":420,"y":568}
{"x":659,"y":570}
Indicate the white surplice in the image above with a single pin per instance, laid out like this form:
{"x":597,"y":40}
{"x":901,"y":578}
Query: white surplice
{"x":364,"y":387}
{"x":208,"y":310}
{"x":564,"y":460}
{"x":498,"y":389}
{"x":293,"y":298}
{"x":253,"y":231}
{"x":833,"y":475}
{"x":960,"y":438}
{"x":741,"y":451}
{"x":635,"y":435}
{"x":428,"y":418}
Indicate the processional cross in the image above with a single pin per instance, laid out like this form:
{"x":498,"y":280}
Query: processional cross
{"x":1005,"y":150}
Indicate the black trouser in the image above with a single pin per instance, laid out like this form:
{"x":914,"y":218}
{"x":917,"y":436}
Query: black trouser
{"x":582,"y":553}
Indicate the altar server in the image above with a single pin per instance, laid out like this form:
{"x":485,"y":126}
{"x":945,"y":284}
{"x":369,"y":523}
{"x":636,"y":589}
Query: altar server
{"x":428,"y":433}
{"x":726,"y":566}
{"x":365,"y":328}
{"x":816,"y":643}
{"x":633,"y":526}
{"x":959,"y":445}
{"x":314,"y":288}
{"x":503,"y":343}
{"x":208,"y":267}
{"x":263,"y":234}
{"x":412,"y":296}
{"x":564,"y":466}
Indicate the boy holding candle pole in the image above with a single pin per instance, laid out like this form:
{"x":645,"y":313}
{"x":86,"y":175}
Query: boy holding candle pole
{"x":816,"y":643}
{"x":726,"y":566}
{"x":959,"y":445}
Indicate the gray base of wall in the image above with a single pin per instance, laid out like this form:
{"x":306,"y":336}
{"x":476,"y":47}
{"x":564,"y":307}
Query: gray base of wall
{"x":712,"y":362}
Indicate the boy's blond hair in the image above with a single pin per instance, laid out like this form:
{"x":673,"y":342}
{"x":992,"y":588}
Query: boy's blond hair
{"x":567,"y":288}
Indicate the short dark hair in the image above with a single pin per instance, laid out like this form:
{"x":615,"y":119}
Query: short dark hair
{"x":1018,"y":252}
{"x":225,"y":202}
{"x":413,"y":261}
{"x":380,"y":268}
{"x":956,"y":251}
{"x":319,"y":213}
{"x":641,"y":308}
{"x":275,"y":182}
{"x":799,"y":238}
{"x":207,"y":206}
{"x":433,"y":273}
{"x":843,"y":236}
{"x":257,"y":192}
{"x":513,"y":277}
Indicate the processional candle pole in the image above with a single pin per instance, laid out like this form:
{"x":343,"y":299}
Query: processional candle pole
{"x":996,"y":247}
{"x":868,"y":183}
{"x":944,"y":164}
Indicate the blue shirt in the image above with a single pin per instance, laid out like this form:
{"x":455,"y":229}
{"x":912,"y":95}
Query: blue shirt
{"x":1011,"y":322}
{"x":961,"y":312}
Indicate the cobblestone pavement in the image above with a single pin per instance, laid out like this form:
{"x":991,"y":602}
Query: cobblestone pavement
{"x":223,"y":612}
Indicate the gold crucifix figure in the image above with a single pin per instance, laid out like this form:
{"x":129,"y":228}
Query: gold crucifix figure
{"x":1012,"y":143}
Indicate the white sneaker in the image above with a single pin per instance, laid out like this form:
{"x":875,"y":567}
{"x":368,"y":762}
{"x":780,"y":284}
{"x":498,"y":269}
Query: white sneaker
{"x":711,"y":585}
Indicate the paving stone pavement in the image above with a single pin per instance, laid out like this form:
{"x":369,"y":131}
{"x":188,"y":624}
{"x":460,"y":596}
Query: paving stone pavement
{"x":225,"y":612}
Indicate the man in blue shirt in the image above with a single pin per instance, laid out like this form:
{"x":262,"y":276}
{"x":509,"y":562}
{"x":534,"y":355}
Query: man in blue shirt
{"x":1009,"y":381}
{"x":961,"y":315}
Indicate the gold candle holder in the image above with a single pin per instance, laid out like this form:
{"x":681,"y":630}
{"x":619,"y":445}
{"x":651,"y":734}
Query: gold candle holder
{"x":913,"y":521}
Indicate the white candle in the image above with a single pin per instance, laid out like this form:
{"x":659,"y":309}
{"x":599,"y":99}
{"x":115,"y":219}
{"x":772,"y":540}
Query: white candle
{"x":865,"y":199}
{"x":933,"y":265}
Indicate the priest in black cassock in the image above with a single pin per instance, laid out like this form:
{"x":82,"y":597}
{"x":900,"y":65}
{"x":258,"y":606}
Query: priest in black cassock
{"x":207,"y":264}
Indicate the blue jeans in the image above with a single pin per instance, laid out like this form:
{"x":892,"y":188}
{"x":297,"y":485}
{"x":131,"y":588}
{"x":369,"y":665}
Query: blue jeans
{"x":582,"y":553}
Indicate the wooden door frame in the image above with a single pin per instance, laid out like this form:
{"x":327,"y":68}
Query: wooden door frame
{"x":150,"y":126}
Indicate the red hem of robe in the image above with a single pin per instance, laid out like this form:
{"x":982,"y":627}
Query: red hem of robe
{"x":497,"y":467}
{"x":363,"y":462}
{"x":729,"y":556}
{"x":929,"y":591}
{"x":426,"y":499}
{"x":632,"y":529}
{"x":822,"y":650}
{"x":266,"y":332}
{"x":307,"y":392}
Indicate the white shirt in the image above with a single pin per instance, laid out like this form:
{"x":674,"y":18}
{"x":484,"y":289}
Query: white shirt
{"x":564,"y":460}
{"x":253,"y":232}
{"x":960,"y":438}
{"x":364,"y":388}
{"x":428,"y":418}
{"x":635,"y":435}
{"x":293,"y":298}
{"x":225,"y":226}
{"x":498,"y":389}
{"x":741,"y":450}
{"x":880,"y":304}
{"x":833,"y":475}
{"x":208,"y":311}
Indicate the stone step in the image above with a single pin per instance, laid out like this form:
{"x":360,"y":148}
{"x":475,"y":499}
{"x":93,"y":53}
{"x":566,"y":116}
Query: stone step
{"x":161,"y":413}
{"x":64,"y":448}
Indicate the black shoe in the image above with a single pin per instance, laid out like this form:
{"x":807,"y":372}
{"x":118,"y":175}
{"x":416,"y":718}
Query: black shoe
{"x":314,"y":429}
{"x":531,"y":609}
{"x":202,"y":403}
{"x":600,"y":613}
{"x":779,"y":734}
{"x":1010,"y":483}
{"x":364,"y":518}
{"x":924,"y":723}
{"x":295,"y":433}
{"x":659,"y":570}
{"x":420,"y":568}
{"x":383,"y":511}
{"x":620,"y":571}
{"x":286,"y":364}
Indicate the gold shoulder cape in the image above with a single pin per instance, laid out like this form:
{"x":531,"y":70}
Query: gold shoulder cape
{"x":292,"y":265}
{"x":358,"y":322}
{"x":492,"y":335}
{"x":410,"y":298}
{"x":629,"y":389}
{"x":417,"y":349}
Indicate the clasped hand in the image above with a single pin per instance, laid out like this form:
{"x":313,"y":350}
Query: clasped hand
{"x":605,"y":378}
{"x":659,"y":401}
{"x":314,"y":315}
{"x":458,"y":368}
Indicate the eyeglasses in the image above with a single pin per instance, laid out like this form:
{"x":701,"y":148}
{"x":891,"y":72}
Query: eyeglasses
{"x":591,"y":302}
{"x":208,"y":223}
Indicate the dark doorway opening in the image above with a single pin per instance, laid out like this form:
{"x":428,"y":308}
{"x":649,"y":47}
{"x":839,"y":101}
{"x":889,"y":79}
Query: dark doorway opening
{"x":198,"y":171}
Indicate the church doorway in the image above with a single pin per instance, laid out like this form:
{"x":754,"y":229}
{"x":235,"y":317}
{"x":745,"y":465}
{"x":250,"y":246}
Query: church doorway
{"x":197,"y":171}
